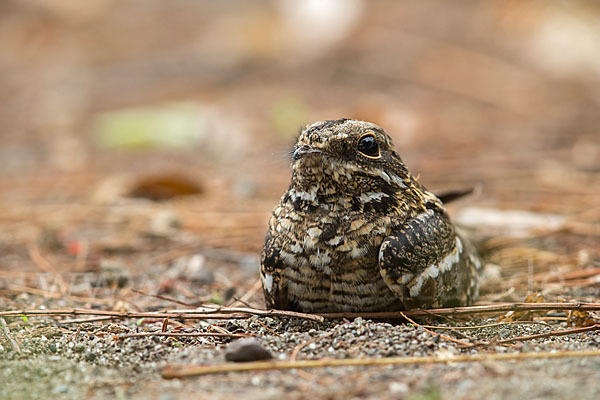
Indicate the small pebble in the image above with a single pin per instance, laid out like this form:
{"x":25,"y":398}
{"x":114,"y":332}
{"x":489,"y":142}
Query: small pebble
{"x":247,"y":350}
{"x":79,"y":348}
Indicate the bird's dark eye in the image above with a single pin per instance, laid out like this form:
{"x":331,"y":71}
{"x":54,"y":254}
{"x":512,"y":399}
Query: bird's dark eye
{"x":368,"y":146}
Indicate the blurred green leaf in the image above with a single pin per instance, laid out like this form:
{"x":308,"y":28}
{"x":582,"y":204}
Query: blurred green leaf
{"x":172,"y":126}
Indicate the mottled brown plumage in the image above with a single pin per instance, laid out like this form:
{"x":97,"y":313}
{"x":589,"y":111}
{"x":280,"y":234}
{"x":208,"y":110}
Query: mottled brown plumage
{"x":355,"y":231}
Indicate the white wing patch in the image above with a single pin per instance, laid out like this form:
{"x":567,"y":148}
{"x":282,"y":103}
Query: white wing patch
{"x":416,"y":287}
{"x":267,"y":281}
{"x":434,"y":270}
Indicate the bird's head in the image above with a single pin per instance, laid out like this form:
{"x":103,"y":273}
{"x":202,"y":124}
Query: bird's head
{"x":351,"y":156}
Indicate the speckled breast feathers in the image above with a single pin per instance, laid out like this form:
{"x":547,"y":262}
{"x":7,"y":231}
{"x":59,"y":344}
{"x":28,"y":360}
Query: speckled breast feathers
{"x":356,"y":232}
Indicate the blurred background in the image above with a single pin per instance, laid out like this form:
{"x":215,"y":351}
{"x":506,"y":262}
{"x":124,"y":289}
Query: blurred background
{"x":144,"y":143}
{"x":112,"y":110}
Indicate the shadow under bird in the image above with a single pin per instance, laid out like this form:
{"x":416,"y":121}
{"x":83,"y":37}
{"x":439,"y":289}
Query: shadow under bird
{"x":356,"y":232}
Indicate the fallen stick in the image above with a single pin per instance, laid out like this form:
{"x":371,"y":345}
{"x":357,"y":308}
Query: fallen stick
{"x":468,"y":310}
{"x":254,"y":311}
{"x":573,"y":331}
{"x":565,"y":332}
{"x":448,"y":338}
{"x":170,"y":372}
{"x":217,"y":313}
{"x":246,"y":312}
{"x":121,"y":315}
{"x":460,"y":328}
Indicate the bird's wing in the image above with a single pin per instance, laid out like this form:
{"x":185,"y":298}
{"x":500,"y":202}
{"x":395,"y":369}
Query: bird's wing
{"x":427,"y":264}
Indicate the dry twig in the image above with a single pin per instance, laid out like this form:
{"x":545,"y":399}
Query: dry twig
{"x":245,"y":312}
{"x":573,"y":331}
{"x":460,"y":328}
{"x":216,"y":313}
{"x":170,"y":372}
{"x":469,"y":310}
{"x":256,"y":311}
{"x":267,"y":328}
{"x":465,"y":344}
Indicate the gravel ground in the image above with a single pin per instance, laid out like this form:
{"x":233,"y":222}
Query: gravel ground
{"x":91,"y":360}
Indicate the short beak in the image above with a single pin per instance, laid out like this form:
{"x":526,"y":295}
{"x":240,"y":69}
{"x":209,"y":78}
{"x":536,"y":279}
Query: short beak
{"x":304,"y":150}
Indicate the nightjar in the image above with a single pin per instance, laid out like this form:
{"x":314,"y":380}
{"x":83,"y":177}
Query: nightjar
{"x":356,"y":232}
